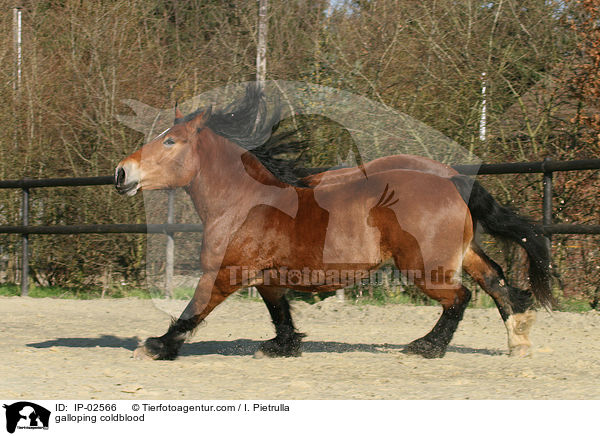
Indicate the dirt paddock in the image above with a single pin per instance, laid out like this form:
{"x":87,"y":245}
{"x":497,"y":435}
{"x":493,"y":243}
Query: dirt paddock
{"x":59,"y":349}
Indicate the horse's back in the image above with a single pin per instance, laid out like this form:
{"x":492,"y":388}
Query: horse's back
{"x":382,"y":164}
{"x":392,"y":208}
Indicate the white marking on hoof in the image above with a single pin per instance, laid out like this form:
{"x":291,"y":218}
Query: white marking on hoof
{"x":259,"y":354}
{"x":518,"y":327}
{"x":520,"y":351}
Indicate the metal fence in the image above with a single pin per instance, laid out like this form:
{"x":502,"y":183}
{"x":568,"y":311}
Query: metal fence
{"x":546,"y":167}
{"x":168,"y":228}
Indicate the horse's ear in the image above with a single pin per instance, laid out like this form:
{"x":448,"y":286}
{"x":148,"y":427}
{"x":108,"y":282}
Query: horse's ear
{"x":178,"y":113}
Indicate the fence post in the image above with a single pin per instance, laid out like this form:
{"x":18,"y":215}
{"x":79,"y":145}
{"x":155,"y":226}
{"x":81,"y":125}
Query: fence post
{"x":25,"y":245}
{"x":170,"y":255}
{"x":547,"y":203}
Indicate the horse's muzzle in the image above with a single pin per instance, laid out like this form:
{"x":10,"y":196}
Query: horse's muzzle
{"x":122,"y":184}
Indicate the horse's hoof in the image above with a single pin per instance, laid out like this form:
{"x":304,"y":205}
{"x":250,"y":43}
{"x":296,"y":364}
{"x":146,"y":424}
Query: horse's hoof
{"x":157,"y":349}
{"x":520,"y":351}
{"x":279,"y":347}
{"x":269,"y":349}
{"x":426,"y":349}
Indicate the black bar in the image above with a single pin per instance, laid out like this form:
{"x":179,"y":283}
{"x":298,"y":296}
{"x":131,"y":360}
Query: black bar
{"x":572,"y":229}
{"x":25,"y":243}
{"x":571,"y":165}
{"x":50,"y":183}
{"x":503,"y":168}
{"x":529,"y":167}
{"x":547,"y":202}
{"x":102,"y":228}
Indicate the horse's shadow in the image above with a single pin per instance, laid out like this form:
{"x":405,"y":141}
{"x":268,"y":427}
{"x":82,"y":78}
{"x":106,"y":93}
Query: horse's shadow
{"x":245,"y":347}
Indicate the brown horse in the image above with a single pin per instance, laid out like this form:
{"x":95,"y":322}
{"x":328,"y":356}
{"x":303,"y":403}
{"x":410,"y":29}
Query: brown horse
{"x":263,"y":230}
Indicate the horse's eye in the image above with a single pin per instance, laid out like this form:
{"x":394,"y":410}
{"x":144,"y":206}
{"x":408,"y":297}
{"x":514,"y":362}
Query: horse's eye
{"x":169,"y":142}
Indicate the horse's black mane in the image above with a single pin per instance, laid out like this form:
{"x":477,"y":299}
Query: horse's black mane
{"x":248,"y":123}
{"x":238,"y":123}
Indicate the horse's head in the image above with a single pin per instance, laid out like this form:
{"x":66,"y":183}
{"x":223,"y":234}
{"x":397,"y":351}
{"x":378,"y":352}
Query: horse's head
{"x":168,"y":161}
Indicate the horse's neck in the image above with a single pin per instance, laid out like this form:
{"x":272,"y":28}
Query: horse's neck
{"x":230,"y":179}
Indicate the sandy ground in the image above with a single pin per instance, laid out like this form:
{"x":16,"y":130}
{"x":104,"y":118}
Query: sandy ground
{"x":67,"y":349}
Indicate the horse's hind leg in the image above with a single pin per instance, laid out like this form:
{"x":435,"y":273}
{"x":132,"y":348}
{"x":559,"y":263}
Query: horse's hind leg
{"x":454,"y":301}
{"x":287,"y":342}
{"x":514,"y":304}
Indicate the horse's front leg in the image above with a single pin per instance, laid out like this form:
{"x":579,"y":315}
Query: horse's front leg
{"x":287,"y":342}
{"x":210,"y":292}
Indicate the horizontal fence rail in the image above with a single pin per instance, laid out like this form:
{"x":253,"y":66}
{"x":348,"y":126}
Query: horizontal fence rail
{"x":53,"y":183}
{"x":102,"y":228}
{"x":545,"y":167}
{"x":571,"y":229}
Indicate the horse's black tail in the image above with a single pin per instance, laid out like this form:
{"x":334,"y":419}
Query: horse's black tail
{"x":500,"y":221}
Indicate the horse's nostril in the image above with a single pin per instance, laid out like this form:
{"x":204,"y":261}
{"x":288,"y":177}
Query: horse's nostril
{"x":120,"y":177}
